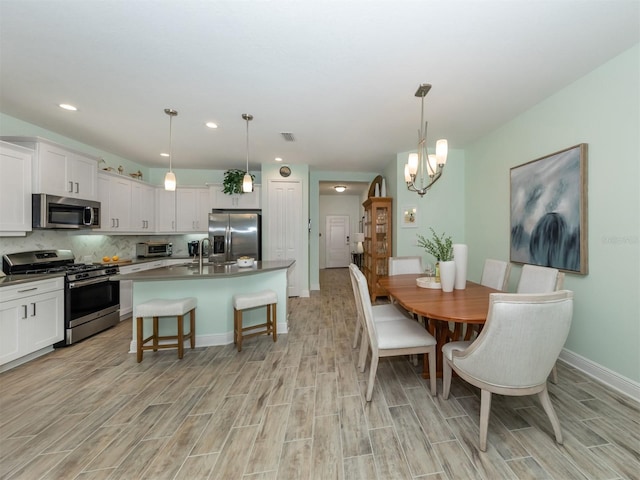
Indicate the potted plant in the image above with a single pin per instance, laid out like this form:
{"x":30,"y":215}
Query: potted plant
{"x":441,"y":247}
{"x":232,"y":182}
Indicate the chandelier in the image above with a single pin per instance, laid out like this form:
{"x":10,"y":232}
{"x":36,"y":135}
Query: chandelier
{"x":423,"y":170}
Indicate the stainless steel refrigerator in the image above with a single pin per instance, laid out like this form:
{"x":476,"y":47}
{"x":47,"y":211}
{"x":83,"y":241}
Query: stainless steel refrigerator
{"x":234,"y":234}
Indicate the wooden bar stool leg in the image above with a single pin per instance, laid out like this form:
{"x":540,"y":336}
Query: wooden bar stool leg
{"x":274,"y":321}
{"x":180,"y":336}
{"x":239,"y":330}
{"x":192,"y":327}
{"x":155,"y":334}
{"x":139,"y":324}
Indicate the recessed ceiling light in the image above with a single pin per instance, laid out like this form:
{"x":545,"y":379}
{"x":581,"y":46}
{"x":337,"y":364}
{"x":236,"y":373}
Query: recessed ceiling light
{"x":164,"y":154}
{"x":66,"y":106}
{"x":211,"y":125}
{"x":278,"y":159}
{"x":340,"y":188}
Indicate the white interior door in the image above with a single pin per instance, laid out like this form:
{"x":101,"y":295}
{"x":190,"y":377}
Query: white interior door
{"x":284,"y":228}
{"x":337,"y":241}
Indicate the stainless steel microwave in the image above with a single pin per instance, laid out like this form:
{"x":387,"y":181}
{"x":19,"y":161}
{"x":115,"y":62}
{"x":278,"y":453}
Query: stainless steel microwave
{"x":52,"y":211}
{"x":154,"y":249}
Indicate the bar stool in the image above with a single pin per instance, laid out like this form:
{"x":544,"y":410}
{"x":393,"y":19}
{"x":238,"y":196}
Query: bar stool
{"x":158,"y":308}
{"x":245,"y":301}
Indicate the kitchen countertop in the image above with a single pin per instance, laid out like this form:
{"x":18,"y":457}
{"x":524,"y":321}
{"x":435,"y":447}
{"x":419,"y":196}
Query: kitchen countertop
{"x":190,"y":271}
{"x":22,"y":278}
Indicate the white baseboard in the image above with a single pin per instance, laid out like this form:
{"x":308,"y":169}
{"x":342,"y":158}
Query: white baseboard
{"x":305,"y":293}
{"x":622,"y":384}
{"x":315,"y":286}
{"x":211,"y":340}
{"x":25,"y":359}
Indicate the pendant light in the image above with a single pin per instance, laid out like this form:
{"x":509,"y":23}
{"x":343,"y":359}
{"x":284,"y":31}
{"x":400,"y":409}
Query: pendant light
{"x":170,"y":177}
{"x":247,"y":181}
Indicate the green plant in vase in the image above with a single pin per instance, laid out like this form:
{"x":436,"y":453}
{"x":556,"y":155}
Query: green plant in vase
{"x":440,"y":247}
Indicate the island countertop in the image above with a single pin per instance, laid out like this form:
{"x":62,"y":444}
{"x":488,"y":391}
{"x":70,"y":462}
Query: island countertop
{"x":191,"y":271}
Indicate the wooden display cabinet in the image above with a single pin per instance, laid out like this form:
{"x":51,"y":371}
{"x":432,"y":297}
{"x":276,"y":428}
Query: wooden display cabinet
{"x":377,"y":242}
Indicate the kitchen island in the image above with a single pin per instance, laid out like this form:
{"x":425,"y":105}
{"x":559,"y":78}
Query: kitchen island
{"x":213,"y":286}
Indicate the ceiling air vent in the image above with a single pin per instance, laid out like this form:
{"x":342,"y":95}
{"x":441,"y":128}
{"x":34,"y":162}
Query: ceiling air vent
{"x":288,"y":136}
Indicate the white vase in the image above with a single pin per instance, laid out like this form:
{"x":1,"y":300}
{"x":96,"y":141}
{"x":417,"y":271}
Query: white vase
{"x":447,"y":275}
{"x":376,"y":192}
{"x":460,"y":256}
{"x":383,"y":189}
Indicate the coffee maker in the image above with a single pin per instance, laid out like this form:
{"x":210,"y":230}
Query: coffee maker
{"x":193,"y":248}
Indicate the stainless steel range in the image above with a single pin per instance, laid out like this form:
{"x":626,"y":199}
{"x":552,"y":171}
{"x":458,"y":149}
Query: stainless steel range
{"x":91,"y":300}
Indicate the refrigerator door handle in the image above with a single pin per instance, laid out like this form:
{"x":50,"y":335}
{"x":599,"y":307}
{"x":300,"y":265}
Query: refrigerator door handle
{"x":229,"y":244}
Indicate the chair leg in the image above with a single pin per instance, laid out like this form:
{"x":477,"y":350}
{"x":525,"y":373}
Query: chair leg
{"x":139,"y":324}
{"x":485,"y":409}
{"x":192,"y":328}
{"x":554,"y":374}
{"x":356,"y":333}
{"x":239,"y":335}
{"x":372,"y":377}
{"x":180,"y":336}
{"x":446,"y":376}
{"x":432,"y":370}
{"x":364,"y":349}
{"x":155,"y":334}
{"x":551,"y":413}
{"x":274,"y":322}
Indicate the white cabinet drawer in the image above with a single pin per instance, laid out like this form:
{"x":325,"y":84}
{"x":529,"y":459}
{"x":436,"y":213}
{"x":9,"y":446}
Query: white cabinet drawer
{"x":31,"y":288}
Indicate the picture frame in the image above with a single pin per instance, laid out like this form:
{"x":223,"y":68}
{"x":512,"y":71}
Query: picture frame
{"x":410,"y":216}
{"x":548,"y":219}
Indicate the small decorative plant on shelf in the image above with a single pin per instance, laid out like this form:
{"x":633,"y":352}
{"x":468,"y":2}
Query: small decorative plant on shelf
{"x":232,"y":182}
{"x":440,"y":247}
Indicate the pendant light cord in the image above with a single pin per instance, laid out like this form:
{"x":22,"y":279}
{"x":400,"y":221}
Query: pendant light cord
{"x":247,"y":144}
{"x":170,"y":141}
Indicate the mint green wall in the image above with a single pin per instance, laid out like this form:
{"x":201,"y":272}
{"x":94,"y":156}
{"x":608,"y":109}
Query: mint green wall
{"x":14,"y":127}
{"x":601,"y":109}
{"x":442,"y":207}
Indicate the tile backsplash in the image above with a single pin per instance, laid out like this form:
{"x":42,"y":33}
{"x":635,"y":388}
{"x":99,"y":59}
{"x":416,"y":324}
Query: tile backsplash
{"x":91,"y":247}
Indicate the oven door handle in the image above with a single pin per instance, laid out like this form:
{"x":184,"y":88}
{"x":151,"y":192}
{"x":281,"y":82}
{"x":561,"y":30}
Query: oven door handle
{"x":82,"y":283}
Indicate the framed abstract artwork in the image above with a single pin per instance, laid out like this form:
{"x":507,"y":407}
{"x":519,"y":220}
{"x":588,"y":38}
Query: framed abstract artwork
{"x":549,"y":211}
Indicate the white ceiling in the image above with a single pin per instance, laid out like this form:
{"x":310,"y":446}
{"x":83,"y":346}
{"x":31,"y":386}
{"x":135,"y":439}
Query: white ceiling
{"x":339,"y":75}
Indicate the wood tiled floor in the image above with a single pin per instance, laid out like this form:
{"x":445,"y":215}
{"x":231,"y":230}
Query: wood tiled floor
{"x":293,"y":409}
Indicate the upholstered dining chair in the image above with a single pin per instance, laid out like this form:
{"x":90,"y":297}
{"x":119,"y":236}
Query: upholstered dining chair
{"x":391,"y":338}
{"x":514,"y":353}
{"x":495,"y":274}
{"x":381,"y":313}
{"x":537,"y":279}
{"x":402,"y":265}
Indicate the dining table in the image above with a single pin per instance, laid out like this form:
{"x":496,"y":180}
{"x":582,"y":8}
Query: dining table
{"x":448,"y":315}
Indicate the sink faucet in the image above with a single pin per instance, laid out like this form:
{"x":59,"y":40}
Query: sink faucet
{"x":201,"y":248}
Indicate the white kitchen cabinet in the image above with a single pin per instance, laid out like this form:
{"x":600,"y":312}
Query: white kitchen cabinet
{"x":192,"y":209}
{"x":15,"y":189}
{"x":165,"y":211}
{"x":114,"y":194}
{"x":238,"y":201}
{"x":58,"y":170}
{"x":126,"y":286}
{"x":143,"y":207}
{"x":31,"y":318}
